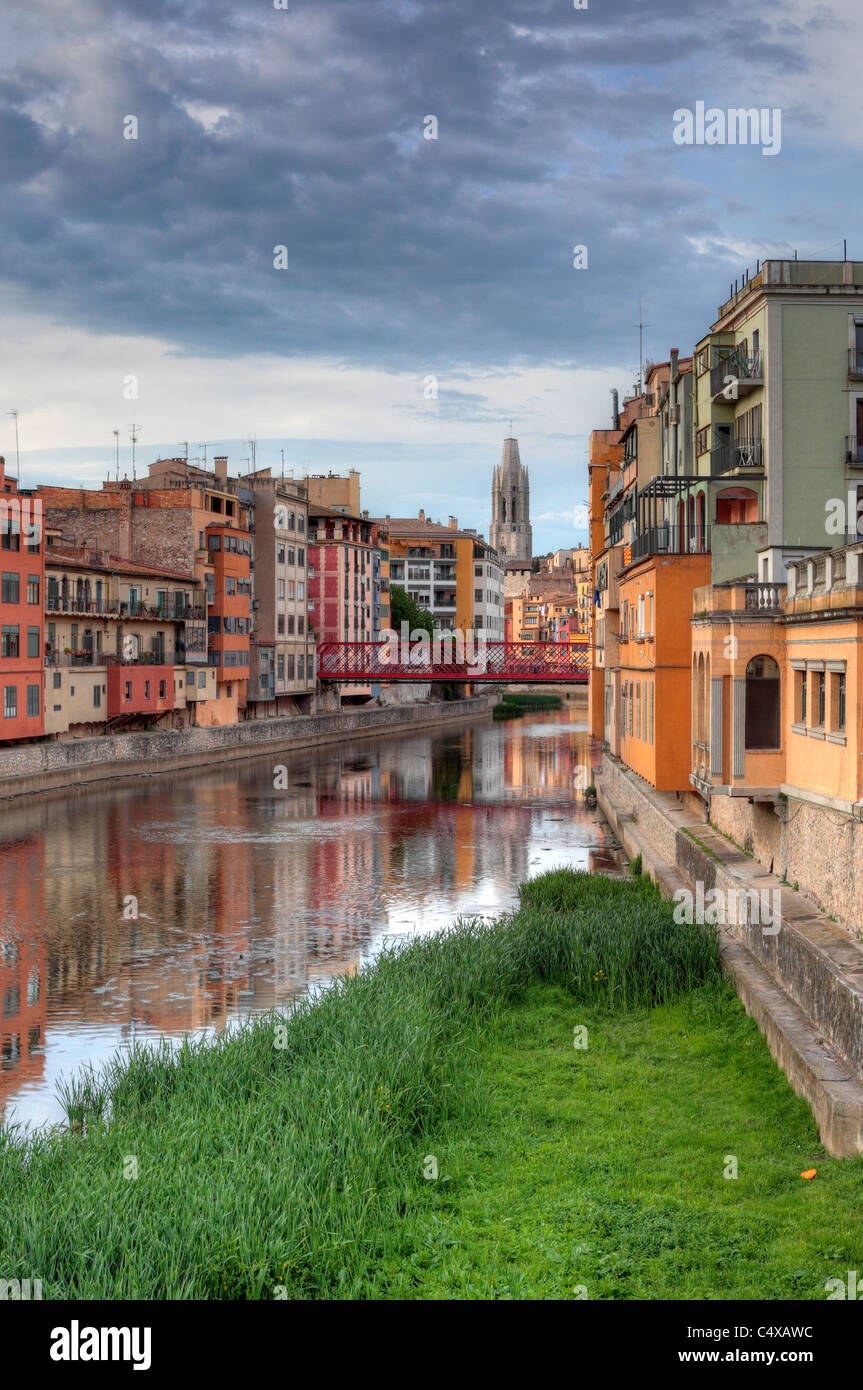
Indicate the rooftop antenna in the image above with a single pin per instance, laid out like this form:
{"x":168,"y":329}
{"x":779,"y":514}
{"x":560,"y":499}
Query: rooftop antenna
{"x":641,"y":327}
{"x":282,"y":452}
{"x":134,"y":431}
{"x":204,"y":447}
{"x":116,"y":434}
{"x":14,"y":414}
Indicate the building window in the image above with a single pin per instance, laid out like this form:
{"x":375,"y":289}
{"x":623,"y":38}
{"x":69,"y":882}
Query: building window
{"x":800,"y":693}
{"x":280,"y":667}
{"x":280,"y":554}
{"x":32,"y":641}
{"x":762,"y":703}
{"x":202,"y":680}
{"x":128,"y":690}
{"x":280,"y":624}
{"x":32,"y":588}
{"x":97,"y":696}
{"x":837,"y":702}
{"x":9,"y":640}
{"x":58,"y":680}
{"x":301,"y":663}
{"x":10,"y":588}
{"x":32,"y":701}
{"x":163,"y":690}
{"x":10,"y":702}
{"x":280,"y":589}
{"x":818,"y":700}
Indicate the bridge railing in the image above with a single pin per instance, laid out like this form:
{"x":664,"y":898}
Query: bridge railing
{"x":490,"y":661}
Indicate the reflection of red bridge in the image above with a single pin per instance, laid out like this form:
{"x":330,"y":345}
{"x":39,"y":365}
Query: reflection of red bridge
{"x":495,"y":661}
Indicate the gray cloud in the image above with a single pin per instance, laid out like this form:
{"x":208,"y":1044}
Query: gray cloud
{"x":403,"y":252}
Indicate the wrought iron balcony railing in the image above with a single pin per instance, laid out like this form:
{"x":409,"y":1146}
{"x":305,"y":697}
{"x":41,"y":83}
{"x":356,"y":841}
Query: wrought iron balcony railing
{"x":735,"y":374}
{"x":671,"y":540}
{"x":853,"y":450}
{"x":737,"y":453}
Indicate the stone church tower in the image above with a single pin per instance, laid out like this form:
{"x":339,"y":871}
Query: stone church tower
{"x":511,"y":533}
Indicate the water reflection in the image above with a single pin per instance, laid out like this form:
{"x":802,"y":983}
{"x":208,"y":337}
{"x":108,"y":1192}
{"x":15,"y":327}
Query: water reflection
{"x":181,"y":903}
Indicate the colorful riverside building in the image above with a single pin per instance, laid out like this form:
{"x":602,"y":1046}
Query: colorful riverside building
{"x":174,"y":521}
{"x":21,"y":623}
{"x":125,"y":644}
{"x":756,"y":448}
{"x":450,"y":572}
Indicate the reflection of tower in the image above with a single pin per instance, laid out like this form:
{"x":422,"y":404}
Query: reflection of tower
{"x":511,"y":532}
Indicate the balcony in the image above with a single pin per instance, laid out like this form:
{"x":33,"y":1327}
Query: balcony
{"x":747,"y":454}
{"x":671,"y":540}
{"x":764,"y":599}
{"x":85,"y":660}
{"x":734,"y":376}
{"x":855,"y":362}
{"x":113,"y":608}
{"x":854,"y":451}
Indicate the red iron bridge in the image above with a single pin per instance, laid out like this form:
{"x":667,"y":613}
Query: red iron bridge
{"x":523,"y":662}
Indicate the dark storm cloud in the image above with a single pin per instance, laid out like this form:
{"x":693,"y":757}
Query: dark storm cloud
{"x":554,"y":129}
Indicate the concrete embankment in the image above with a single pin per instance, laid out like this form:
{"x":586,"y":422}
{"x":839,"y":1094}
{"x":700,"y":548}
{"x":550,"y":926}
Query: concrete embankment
{"x":800,"y":978}
{"x":38,"y":767}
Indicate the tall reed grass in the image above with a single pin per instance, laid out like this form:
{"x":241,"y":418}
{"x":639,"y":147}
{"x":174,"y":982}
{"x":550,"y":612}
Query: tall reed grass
{"x":284,"y":1156}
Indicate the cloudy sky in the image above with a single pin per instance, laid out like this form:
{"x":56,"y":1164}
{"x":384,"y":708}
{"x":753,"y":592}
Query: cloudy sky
{"x":407,"y":258}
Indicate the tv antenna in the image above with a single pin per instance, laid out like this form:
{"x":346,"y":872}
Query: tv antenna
{"x":134,"y":431}
{"x":641,"y":325}
{"x":14,"y":414}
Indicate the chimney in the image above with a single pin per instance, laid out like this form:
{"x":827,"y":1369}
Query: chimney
{"x":220,"y":465}
{"x":674,"y":359}
{"x":422,"y":515}
{"x":453,"y":523}
{"x":615,"y":411}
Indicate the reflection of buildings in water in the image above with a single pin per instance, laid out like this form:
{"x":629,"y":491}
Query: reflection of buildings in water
{"x":22,"y":966}
{"x":22,"y":1014}
{"x":247,"y":894}
{"x":489,"y":768}
{"x":547,"y":764}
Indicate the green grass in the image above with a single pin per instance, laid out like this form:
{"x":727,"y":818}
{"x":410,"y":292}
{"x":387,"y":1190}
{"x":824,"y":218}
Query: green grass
{"x":602,"y":1169}
{"x":302,"y":1165}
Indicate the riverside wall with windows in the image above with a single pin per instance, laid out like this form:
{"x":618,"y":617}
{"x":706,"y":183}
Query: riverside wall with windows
{"x":36,"y":767}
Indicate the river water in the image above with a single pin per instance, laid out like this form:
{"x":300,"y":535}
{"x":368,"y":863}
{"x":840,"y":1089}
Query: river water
{"x":185,"y":902}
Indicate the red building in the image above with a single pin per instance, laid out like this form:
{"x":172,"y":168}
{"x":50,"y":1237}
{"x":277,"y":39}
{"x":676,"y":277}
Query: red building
{"x":134,"y":689}
{"x":22,"y":563}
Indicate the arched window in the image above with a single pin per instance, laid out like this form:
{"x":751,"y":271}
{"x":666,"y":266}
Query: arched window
{"x":503,"y":505}
{"x":513,"y":507}
{"x":762,"y":703}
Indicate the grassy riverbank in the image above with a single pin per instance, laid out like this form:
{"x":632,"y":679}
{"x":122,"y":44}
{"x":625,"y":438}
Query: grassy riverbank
{"x":301,"y":1155}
